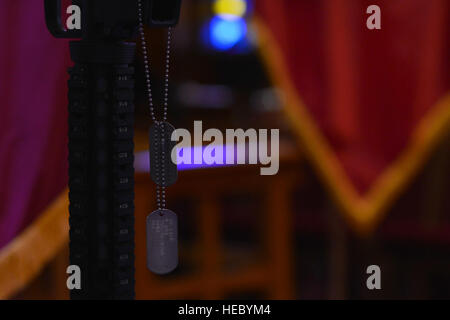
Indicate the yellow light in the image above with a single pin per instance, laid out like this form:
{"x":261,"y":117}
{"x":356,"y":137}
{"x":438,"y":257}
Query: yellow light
{"x":236,"y":8}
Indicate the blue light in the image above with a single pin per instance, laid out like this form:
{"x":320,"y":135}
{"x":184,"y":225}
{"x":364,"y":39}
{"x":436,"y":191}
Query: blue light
{"x":224,"y":34}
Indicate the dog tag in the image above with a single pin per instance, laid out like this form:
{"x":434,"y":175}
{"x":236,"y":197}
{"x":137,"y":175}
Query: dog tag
{"x":163,"y":170}
{"x":162,"y":241}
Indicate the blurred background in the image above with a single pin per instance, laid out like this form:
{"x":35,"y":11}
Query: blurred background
{"x":364,"y":119}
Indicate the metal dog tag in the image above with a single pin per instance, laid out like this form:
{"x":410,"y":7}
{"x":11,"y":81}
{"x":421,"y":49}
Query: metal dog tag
{"x":162,"y":241}
{"x":162,"y":170}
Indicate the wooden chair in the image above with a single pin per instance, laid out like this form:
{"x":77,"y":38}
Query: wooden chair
{"x":270,"y":274}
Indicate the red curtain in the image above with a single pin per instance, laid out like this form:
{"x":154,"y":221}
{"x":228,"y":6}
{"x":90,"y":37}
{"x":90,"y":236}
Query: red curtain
{"x":33,"y":113}
{"x":371,"y":95}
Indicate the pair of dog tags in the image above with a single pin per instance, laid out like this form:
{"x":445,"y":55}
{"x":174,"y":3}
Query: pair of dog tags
{"x":162,"y":224}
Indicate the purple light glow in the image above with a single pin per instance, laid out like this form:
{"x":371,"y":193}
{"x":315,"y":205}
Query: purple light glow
{"x":142,"y":162}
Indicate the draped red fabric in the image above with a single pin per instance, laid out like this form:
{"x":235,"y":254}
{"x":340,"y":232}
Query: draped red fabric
{"x":33,"y":115}
{"x":366,"y":91}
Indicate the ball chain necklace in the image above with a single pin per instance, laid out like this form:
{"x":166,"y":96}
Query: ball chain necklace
{"x":161,"y":224}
